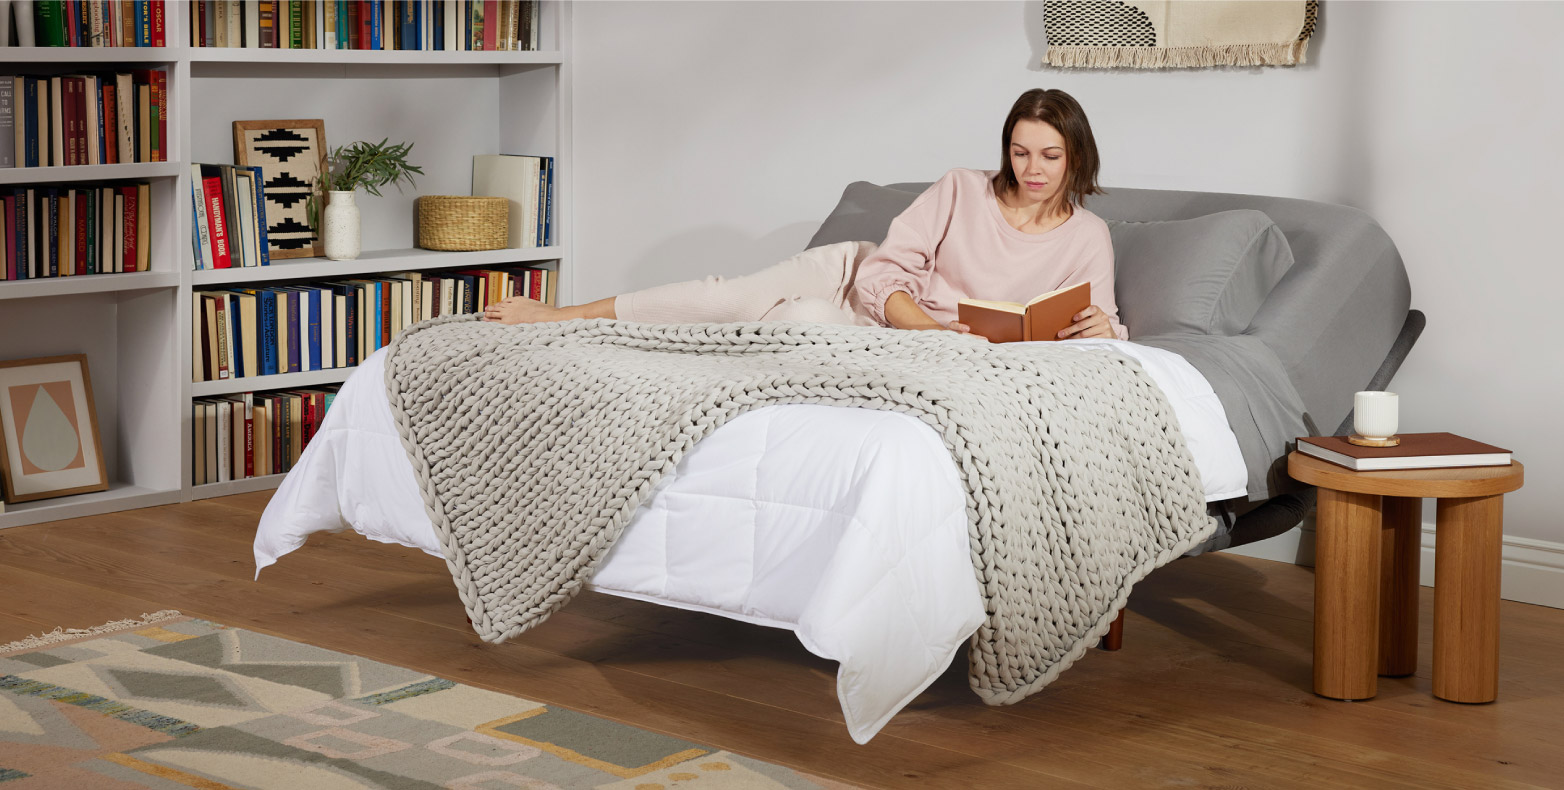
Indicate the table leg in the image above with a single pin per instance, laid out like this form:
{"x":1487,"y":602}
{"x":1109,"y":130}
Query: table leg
{"x":1400,"y":550}
{"x":1346,"y":594}
{"x":1466,"y":598}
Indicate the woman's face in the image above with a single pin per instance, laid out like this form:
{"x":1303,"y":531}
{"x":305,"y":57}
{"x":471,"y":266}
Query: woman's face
{"x":1037,"y":158}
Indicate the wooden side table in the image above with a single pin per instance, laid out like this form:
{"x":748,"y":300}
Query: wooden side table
{"x":1368,"y":543}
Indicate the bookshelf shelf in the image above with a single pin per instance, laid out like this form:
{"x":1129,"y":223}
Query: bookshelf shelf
{"x":372,"y":262}
{"x":242,"y":486}
{"x":137,"y":328}
{"x":66,"y":173}
{"x":313,"y":378}
{"x":119,"y":496}
{"x":87,"y":284}
{"x":422,"y":59}
{"x":72,"y":55}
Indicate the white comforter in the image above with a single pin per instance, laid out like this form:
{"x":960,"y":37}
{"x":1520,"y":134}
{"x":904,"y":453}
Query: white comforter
{"x":846,"y":525}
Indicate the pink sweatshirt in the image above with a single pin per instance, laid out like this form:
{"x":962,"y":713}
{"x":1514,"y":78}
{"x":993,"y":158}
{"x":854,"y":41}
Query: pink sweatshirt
{"x":952,"y":243}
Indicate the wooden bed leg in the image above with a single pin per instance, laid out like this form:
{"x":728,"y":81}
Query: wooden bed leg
{"x":1115,"y":637}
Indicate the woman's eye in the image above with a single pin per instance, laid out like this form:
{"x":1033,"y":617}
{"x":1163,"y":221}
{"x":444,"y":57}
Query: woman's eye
{"x":1050,"y":158}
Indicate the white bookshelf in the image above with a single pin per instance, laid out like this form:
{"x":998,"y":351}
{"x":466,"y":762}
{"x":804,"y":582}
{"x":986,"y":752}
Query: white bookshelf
{"x":136,"y":328}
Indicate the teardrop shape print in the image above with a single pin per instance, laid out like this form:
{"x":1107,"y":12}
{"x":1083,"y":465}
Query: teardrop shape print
{"x":49,"y":440}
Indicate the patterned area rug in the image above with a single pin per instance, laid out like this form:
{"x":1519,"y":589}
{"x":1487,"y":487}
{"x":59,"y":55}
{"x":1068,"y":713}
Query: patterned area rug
{"x":173,"y":702}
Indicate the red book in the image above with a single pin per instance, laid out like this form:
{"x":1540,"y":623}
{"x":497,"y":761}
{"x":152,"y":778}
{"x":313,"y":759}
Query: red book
{"x":129,"y":220}
{"x":307,"y":422}
{"x":366,"y":32}
{"x":73,"y":24}
{"x":491,"y":24}
{"x":110,"y":125}
{"x":216,"y":221}
{"x":160,"y":95}
{"x":68,"y":88}
{"x":536,"y":285}
{"x":79,"y":197}
{"x":249,"y":439}
{"x":11,"y":253}
{"x":157,"y":23}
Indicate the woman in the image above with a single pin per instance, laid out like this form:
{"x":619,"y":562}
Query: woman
{"x":1008,"y":235}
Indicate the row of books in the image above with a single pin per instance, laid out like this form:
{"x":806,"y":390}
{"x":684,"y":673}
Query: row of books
{"x":62,"y":231}
{"x":243,"y":332}
{"x":228,"y":217}
{"x":84,"y":119}
{"x":84,"y":23}
{"x":254,"y":434}
{"x":427,"y":25}
{"x":528,"y":181}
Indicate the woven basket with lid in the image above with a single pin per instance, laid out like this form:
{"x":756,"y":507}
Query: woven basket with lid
{"x":462,"y":222}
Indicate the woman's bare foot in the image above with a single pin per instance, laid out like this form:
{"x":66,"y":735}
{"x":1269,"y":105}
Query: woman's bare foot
{"x":521,"y":310}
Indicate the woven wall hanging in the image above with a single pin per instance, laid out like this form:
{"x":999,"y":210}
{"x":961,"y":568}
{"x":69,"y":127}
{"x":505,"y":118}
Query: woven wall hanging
{"x":1163,"y":34}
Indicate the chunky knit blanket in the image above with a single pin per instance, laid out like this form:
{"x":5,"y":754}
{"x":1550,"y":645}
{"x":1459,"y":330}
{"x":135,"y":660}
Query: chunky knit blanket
{"x":534,"y":445}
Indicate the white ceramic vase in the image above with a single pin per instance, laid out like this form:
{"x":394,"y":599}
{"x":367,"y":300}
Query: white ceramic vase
{"x":340,"y":224}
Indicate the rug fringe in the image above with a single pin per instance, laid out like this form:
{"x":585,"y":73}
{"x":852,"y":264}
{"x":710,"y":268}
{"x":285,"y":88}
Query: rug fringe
{"x":66,"y":634}
{"x":1291,"y":53}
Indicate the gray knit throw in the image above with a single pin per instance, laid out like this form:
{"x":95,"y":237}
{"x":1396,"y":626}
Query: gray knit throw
{"x":533,"y":446}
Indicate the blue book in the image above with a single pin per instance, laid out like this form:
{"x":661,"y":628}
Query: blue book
{"x":51,"y":266}
{"x":266,"y":314}
{"x":344,"y":36}
{"x":294,"y":361}
{"x":548,"y":208}
{"x":542,"y":204}
{"x":141,"y":21}
{"x":29,"y":130}
{"x":378,"y":293}
{"x":262,"y":239}
{"x":313,"y":295}
{"x":409,"y":18}
{"x":437,"y":25}
{"x":103,"y":137}
{"x":376,"y":22}
{"x":236,"y":331}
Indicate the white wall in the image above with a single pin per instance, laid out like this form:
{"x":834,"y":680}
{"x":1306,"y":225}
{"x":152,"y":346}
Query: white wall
{"x":712,"y":138}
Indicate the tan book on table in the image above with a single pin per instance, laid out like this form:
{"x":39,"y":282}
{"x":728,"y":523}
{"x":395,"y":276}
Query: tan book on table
{"x":1416,"y":451}
{"x":1039,"y":319}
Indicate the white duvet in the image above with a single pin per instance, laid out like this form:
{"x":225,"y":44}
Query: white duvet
{"x":846,"y":525}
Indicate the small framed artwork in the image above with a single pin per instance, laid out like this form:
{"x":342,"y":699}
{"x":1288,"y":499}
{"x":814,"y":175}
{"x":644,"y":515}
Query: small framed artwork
{"x":290,"y":154}
{"x":49,"y":444}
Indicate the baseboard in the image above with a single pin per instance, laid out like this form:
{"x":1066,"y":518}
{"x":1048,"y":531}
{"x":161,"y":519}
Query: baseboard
{"x":1533,"y":569}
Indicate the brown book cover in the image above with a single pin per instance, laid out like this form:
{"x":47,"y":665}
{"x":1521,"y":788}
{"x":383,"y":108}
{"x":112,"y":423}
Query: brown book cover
{"x":1039,"y":319}
{"x":1416,"y":451}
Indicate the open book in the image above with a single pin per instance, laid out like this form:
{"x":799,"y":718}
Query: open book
{"x":1039,"y":319}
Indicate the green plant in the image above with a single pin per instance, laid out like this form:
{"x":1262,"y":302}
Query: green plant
{"x":363,"y":165}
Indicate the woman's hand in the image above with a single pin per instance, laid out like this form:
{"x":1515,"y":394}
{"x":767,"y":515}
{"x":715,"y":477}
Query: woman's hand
{"x":1091,"y":322}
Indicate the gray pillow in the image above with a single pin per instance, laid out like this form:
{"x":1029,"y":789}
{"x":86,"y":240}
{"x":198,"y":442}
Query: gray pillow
{"x":1207,"y":275}
{"x":863,"y":214}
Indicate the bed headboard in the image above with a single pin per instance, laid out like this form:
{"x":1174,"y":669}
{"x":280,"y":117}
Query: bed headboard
{"x":1333,"y":319}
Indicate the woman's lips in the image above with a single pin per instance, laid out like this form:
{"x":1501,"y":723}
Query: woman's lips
{"x":1036,"y":184}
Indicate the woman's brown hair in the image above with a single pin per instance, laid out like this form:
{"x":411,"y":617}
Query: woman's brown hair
{"x":1061,"y":111}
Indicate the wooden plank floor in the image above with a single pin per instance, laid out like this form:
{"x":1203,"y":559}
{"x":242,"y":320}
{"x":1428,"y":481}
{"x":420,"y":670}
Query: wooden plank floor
{"x":1211,"y":689}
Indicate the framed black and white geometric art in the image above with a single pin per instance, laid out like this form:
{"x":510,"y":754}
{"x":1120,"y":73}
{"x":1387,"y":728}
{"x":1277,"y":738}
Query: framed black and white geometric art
{"x":290,"y":154}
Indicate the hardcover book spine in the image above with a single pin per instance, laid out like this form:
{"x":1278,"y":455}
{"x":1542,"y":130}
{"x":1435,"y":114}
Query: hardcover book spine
{"x":314,"y":329}
{"x":133,"y":239}
{"x":30,"y":98}
{"x":7,"y":122}
{"x":294,"y":361}
{"x":217,"y":221}
{"x":85,"y":261}
{"x":268,"y":333}
{"x":159,"y":34}
{"x":352,"y":327}
{"x":263,"y":242}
